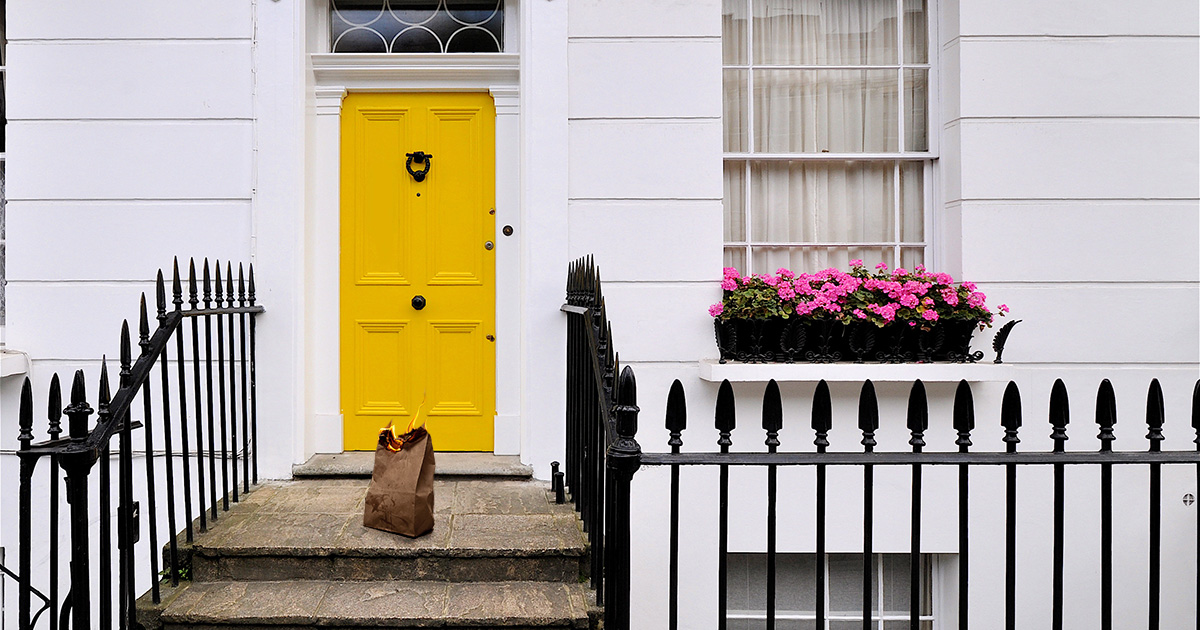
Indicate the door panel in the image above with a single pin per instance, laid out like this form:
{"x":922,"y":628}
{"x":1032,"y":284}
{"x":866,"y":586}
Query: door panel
{"x":402,"y":238}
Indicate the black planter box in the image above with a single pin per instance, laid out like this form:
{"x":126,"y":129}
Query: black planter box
{"x":805,"y":340}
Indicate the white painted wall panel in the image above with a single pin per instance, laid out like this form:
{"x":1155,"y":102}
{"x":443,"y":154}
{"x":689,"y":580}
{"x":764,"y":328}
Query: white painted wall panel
{"x":1151,"y":76}
{"x":656,"y":321}
{"x":1081,"y":241}
{"x":130,"y":160}
{"x":125,"y":19}
{"x":58,"y":241}
{"x":71,"y":320}
{"x":1079,"y":17}
{"x":645,"y":159}
{"x":123,"y":79}
{"x":1089,"y":323}
{"x":645,"y":78}
{"x":1080,"y":159}
{"x":638,"y":18}
{"x":649,"y":240}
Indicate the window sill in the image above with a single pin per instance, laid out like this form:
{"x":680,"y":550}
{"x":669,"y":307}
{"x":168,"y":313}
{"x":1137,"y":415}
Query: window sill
{"x":711,"y":370}
{"x":13,"y":363}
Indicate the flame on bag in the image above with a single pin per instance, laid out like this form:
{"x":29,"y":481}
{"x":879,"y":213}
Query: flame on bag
{"x":396,"y":441}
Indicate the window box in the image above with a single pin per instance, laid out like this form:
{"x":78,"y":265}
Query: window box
{"x":801,"y":340}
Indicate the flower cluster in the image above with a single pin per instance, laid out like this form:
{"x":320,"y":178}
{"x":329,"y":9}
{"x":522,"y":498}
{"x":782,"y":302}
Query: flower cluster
{"x":918,"y":297}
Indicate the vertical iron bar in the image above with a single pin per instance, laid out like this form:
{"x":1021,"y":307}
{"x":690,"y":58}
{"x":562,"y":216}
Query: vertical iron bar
{"x":54,"y":414}
{"x":105,"y":547}
{"x":148,"y":427}
{"x":964,"y":423}
{"x":245,"y":394}
{"x":1106,"y":417}
{"x":1010,"y":419}
{"x":918,"y":422}
{"x":221,"y":395}
{"x":25,"y":508}
{"x":253,"y":386}
{"x":1060,"y":416}
{"x":772,"y":422}
{"x":233,"y":441}
{"x":868,"y":423}
{"x":822,"y":422}
{"x":125,"y":535}
{"x":76,"y":468}
{"x":1154,"y":422}
{"x":676,"y":423}
{"x":624,"y":458}
{"x":168,"y":447}
{"x":725,"y":422}
{"x":212,"y":440}
{"x":1196,"y":429}
{"x":193,"y":302}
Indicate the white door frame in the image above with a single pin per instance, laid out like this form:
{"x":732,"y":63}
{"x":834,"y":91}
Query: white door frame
{"x":335,"y":75}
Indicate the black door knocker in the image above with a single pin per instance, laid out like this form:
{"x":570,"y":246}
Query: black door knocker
{"x":420,"y":157}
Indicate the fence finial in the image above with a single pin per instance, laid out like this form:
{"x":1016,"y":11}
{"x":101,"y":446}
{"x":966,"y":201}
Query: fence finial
{"x":25,"y":416}
{"x":54,"y":408}
{"x":868,"y":415}
{"x":241,"y":285}
{"x":143,"y":326}
{"x":176,"y":286}
{"x":250,"y":293}
{"x":725,"y":416}
{"x":193,"y":300}
{"x":78,"y":411}
{"x":1010,"y":415}
{"x":964,"y":415}
{"x":1154,"y":415}
{"x":917,"y":418}
{"x":1106,"y":415}
{"x":676,"y":415}
{"x":626,"y":408}
{"x":207,"y":282}
{"x":822,"y":415}
{"x":104,"y":395}
{"x":217,"y":297}
{"x":772,"y":414}
{"x":126,"y":353}
{"x":1196,"y":412}
{"x":1060,"y":415}
{"x":229,"y":282}
{"x":160,"y":291}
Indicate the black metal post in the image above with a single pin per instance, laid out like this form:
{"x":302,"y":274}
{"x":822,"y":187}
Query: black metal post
{"x":624,"y":459}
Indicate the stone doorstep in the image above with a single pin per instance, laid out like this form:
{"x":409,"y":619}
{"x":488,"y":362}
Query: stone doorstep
{"x":508,"y":605}
{"x":358,"y":464}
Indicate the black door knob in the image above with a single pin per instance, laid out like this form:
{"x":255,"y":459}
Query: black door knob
{"x":418,"y":302}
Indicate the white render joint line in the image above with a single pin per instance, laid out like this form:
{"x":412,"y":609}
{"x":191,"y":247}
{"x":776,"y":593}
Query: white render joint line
{"x":1080,"y":119}
{"x":636,"y":118}
{"x":126,"y":40}
{"x":642,"y":39}
{"x":644,"y":199}
{"x":1077,"y":284}
{"x":139,"y":120}
{"x":156,"y":201}
{"x":1084,"y":36}
{"x":88,"y":281}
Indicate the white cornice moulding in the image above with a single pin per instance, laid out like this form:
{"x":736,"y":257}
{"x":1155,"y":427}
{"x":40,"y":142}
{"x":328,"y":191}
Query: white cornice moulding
{"x":712,"y":370}
{"x":365,"y":71}
{"x":329,"y":99}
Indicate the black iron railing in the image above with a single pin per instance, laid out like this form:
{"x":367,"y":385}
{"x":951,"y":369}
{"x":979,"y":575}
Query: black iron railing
{"x":603,"y":454}
{"x":212,"y":305}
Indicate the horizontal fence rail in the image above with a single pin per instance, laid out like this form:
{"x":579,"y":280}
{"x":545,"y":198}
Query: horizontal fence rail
{"x":602,"y":437}
{"x":195,"y":420}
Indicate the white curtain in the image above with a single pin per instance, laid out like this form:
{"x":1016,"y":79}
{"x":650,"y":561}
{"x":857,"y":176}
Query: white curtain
{"x":822,"y":111}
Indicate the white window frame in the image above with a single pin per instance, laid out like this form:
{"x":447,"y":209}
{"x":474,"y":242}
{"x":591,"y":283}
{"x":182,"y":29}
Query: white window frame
{"x":929,"y":159}
{"x":935,"y":595}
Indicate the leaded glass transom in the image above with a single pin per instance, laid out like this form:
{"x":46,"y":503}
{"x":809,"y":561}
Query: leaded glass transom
{"x":417,"y":26}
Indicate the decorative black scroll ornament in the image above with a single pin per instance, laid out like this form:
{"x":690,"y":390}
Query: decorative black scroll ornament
{"x":419,"y":157}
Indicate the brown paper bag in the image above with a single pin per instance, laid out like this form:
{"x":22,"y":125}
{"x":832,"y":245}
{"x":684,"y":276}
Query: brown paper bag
{"x":400,"y":497}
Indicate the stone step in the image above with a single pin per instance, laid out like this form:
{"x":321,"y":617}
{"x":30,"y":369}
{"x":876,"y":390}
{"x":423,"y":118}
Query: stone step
{"x":358,"y":464}
{"x":312,"y":530}
{"x":305,"y":604}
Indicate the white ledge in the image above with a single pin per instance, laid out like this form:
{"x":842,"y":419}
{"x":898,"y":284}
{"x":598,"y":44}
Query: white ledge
{"x":361,"y":70}
{"x":712,"y":370}
{"x":13,"y":363}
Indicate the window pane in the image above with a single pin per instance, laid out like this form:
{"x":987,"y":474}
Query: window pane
{"x":799,"y":32}
{"x":916,"y":32}
{"x":826,"y":111}
{"x":736,"y":258}
{"x":737,"y":138}
{"x":796,"y":582}
{"x":735,"y":203}
{"x":823,"y":202}
{"x":733,"y":31}
{"x":916,"y":109}
{"x":744,"y":577}
{"x":895,"y":584}
{"x":910,"y":257}
{"x":912,"y":202}
{"x":845,"y":582}
{"x":428,"y":26}
{"x":811,"y":259}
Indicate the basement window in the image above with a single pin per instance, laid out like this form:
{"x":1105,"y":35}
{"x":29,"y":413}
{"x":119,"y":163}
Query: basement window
{"x":417,"y":26}
{"x":795,"y":591}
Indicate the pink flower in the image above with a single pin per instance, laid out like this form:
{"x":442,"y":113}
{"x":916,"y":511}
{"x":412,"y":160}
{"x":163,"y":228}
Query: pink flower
{"x":930,"y":315}
{"x":900,"y":271}
{"x":857,"y":262}
{"x":950,"y":296}
{"x":716,"y":309}
{"x":729,"y":284}
{"x":786,"y":292}
{"x":771,"y":280}
{"x":730,"y":272}
{"x":1003,"y":308}
{"x":909,"y":300}
{"x":858,"y":312}
{"x":783,"y":272}
{"x":912,"y":323}
{"x":882,"y":266}
{"x":927,"y":301}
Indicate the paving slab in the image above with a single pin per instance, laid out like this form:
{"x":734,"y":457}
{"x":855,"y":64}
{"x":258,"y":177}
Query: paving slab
{"x":358,"y":464}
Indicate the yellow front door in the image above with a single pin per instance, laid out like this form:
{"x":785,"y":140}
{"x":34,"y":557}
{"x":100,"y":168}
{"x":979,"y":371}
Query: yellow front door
{"x":418,"y":267}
